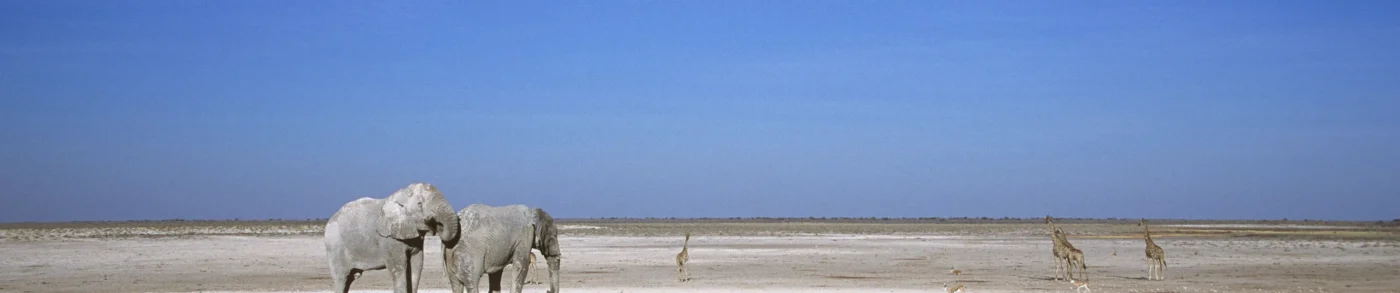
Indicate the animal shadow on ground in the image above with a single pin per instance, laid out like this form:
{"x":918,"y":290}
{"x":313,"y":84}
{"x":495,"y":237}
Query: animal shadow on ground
{"x":1131,"y":278}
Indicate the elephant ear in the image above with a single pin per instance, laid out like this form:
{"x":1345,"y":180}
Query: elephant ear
{"x":546,"y":236}
{"x":395,"y":221}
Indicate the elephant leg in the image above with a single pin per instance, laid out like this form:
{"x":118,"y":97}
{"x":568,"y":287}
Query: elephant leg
{"x":416,"y":266}
{"x":456,"y":285}
{"x":496,"y":281}
{"x":341,"y":279}
{"x":399,"y":273}
{"x":473,"y":281}
{"x":521,"y":272}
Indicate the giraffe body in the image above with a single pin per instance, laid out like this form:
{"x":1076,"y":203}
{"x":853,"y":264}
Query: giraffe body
{"x":682,"y":274}
{"x":1156,"y":257}
{"x":1061,"y":250}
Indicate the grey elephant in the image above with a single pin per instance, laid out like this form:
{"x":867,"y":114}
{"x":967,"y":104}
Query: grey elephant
{"x":373,"y":234}
{"x":493,"y":237}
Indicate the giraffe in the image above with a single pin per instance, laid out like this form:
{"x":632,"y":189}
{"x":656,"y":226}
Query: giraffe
{"x":1060,"y":248}
{"x":1066,"y":253}
{"x":1056,"y":246}
{"x":1076,"y":260}
{"x":1156,"y":257}
{"x":682,"y":258}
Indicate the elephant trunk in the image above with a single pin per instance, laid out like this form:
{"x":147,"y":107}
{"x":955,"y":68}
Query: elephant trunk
{"x":553,"y":273}
{"x":447,"y":220}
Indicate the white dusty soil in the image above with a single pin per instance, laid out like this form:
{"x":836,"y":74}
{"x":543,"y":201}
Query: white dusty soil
{"x":839,"y":263}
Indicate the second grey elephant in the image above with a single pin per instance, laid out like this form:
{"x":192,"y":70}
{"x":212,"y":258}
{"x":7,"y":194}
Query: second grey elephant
{"x":374,"y":234}
{"x":493,"y":237}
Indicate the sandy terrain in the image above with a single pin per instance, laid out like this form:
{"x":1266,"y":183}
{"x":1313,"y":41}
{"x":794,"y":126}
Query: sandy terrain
{"x":610,"y":257}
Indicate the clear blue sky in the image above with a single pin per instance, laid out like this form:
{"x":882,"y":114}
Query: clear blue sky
{"x":159,"y":109}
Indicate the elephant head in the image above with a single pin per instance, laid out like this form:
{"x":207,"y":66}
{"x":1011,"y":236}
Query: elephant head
{"x":547,"y":241}
{"x":416,"y":209}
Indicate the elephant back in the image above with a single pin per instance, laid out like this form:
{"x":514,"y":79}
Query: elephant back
{"x":481,"y":218}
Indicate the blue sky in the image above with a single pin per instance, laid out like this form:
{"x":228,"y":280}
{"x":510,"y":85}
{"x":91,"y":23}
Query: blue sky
{"x":119,"y":110}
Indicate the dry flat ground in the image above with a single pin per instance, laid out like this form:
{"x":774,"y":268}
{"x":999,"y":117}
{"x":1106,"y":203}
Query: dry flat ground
{"x":732,"y":256}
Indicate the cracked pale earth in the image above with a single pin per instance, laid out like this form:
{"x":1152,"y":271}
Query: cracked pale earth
{"x":815,"y":256}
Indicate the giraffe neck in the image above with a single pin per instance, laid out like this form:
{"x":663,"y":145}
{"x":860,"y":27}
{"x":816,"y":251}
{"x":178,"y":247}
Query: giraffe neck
{"x":1147,"y":235}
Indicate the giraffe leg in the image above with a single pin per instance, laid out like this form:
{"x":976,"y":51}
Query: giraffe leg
{"x":1158,"y":272}
{"x":1060,"y":269}
{"x":1150,"y":266}
{"x":1161,"y":275}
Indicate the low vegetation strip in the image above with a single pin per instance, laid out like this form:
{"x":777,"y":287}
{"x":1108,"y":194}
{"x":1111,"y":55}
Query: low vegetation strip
{"x":155,"y":229}
{"x":1077,"y":228}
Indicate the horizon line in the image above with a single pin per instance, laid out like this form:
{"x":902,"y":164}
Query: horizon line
{"x":720,"y":219}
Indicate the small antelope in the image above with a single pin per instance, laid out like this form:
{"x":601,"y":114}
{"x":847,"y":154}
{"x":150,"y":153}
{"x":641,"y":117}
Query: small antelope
{"x":956,"y":288}
{"x":1080,"y":285}
{"x":533,"y":271}
{"x":955,"y":271}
